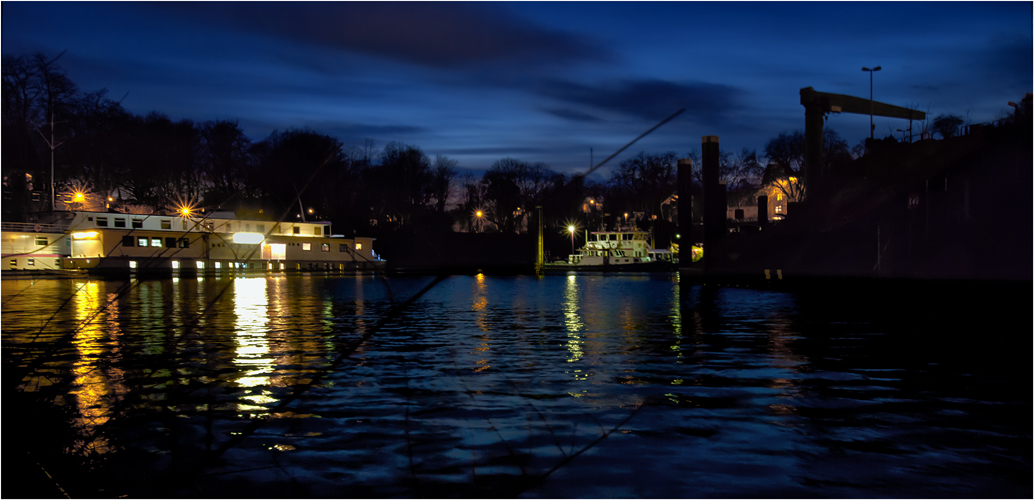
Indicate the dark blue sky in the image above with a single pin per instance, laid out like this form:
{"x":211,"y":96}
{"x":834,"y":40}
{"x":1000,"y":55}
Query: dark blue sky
{"x":537,"y":81}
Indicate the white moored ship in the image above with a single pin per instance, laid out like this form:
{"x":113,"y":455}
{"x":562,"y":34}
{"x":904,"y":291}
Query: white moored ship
{"x":219,"y":242}
{"x":618,"y":250}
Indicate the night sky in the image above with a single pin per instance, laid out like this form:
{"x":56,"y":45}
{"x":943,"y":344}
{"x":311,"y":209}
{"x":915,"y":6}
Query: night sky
{"x":540,"y":82}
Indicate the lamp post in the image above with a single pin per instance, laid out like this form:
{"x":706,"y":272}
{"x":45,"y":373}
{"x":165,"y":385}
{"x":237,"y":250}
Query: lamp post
{"x":872,"y":128}
{"x":570,"y":229}
{"x":478,"y":214}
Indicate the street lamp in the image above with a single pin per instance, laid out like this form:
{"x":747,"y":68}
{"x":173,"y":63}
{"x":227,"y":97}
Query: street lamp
{"x":570,"y":229}
{"x":872,"y":128}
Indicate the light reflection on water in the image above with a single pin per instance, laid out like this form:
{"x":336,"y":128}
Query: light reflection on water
{"x":499,"y":386}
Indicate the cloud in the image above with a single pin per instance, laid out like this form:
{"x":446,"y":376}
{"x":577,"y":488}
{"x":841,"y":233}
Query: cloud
{"x":573,"y":115}
{"x":432,"y":34}
{"x":648,"y":99}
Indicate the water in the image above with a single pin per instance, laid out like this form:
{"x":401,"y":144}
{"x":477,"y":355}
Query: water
{"x":564,"y":386}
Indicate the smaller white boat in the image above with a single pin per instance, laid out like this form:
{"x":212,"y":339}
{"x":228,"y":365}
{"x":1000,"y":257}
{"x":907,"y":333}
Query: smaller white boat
{"x":619,"y":251}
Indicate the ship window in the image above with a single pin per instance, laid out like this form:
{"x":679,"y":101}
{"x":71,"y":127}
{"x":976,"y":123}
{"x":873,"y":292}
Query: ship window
{"x":170,"y":242}
{"x":156,"y":242}
{"x":316,"y":231}
{"x":120,"y":222}
{"x":142,"y":241}
{"x":342,"y":248}
{"x":14,"y":262}
{"x":128,"y":241}
{"x":30,"y":261}
{"x":325,"y":247}
{"x":260,"y":228}
{"x":138,"y":223}
{"x":297,"y":230}
{"x":613,"y":237}
{"x":102,"y":222}
{"x":41,"y":241}
{"x":779,"y":197}
{"x":626,"y":236}
{"x":166,"y":224}
{"x":306,"y":246}
{"x":358,"y":246}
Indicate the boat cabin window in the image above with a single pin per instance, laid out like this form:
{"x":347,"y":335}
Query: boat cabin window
{"x":138,"y":223}
{"x":316,"y":231}
{"x":613,"y":237}
{"x":260,"y":228}
{"x":325,"y":247}
{"x":142,"y":241}
{"x":626,"y":236}
{"x":184,"y":243}
{"x":120,"y":222}
{"x":297,"y":230}
{"x":170,"y":242}
{"x":128,"y":241}
{"x":306,"y":246}
{"x":166,"y":224}
{"x":41,"y":241}
{"x":156,"y":242}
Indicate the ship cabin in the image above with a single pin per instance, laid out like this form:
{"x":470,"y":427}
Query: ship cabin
{"x":218,"y":242}
{"x":614,"y":247}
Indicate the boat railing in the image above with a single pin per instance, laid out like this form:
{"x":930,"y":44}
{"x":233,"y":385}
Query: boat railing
{"x":29,"y":227}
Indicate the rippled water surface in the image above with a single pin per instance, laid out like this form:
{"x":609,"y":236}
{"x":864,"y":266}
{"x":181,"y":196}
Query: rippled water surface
{"x":562,"y":386}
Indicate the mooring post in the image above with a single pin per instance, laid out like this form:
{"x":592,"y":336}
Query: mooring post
{"x":685,"y":206}
{"x":713,"y":211}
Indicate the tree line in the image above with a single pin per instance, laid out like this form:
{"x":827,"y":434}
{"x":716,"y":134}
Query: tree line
{"x":152,"y":160}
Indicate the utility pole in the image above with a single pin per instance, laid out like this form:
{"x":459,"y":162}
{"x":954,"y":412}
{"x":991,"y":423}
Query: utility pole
{"x":872,"y":128}
{"x":50,"y":143}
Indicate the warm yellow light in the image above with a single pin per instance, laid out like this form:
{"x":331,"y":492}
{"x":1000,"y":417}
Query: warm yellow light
{"x":78,"y":196}
{"x":248,"y":238}
{"x":478,"y":213}
{"x":87,"y":235}
{"x":570,"y":229}
{"x":310,"y":210}
{"x":793,"y":179}
{"x":185,"y":212}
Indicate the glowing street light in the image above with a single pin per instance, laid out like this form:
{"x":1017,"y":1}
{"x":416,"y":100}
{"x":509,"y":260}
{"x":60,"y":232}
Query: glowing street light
{"x":570,"y":229}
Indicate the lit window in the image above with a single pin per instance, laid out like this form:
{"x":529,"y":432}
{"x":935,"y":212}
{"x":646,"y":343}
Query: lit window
{"x":30,"y":261}
{"x":358,"y":246}
{"x":200,"y":264}
{"x":325,"y":247}
{"x":218,"y":265}
{"x":778,"y":208}
{"x":306,"y":246}
{"x":132,"y":264}
{"x":184,"y":243}
{"x":156,"y":242}
{"x":779,"y":197}
{"x":141,"y":242}
{"x":175,"y":264}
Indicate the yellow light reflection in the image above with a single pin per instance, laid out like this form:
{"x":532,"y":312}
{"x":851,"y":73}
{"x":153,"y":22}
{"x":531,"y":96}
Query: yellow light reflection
{"x":480,"y":304}
{"x":572,"y":320}
{"x":97,"y":385}
{"x":250,"y":329}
